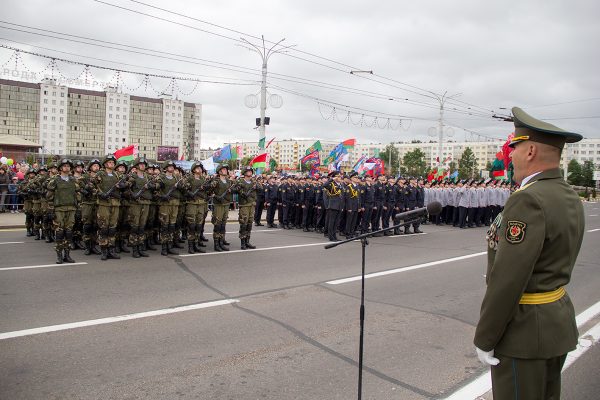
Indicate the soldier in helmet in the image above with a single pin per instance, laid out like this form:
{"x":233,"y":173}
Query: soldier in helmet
{"x":26,"y":191}
{"x":141,"y":186}
{"x":180,"y":222}
{"x":46,"y":217}
{"x":76,"y":243}
{"x":108,"y":185}
{"x":89,"y":206}
{"x":123,"y":224}
{"x":63,"y":196}
{"x":168,"y":207}
{"x":246,"y":188}
{"x":222,"y":191}
{"x":37,"y":191}
{"x":196,"y":206}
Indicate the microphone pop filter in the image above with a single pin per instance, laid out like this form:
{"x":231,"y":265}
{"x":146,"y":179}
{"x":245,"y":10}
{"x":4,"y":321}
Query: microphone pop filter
{"x":434,"y":208}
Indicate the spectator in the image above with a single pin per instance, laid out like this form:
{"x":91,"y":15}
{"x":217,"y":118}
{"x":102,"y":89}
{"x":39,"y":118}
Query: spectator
{"x":13,"y":204}
{"x":4,"y":181}
{"x":21,"y":171}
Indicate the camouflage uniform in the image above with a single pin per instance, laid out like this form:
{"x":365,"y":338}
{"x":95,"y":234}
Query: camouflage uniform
{"x":222,"y":192}
{"x":25,"y":190}
{"x":196,"y":208}
{"x":167,"y":209}
{"x":107,"y":189}
{"x":88,"y":208}
{"x":62,"y":198}
{"x":246,"y":191}
{"x":141,"y":198}
{"x":35,"y":187}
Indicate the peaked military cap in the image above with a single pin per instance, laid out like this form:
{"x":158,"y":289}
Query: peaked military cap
{"x":333,"y":173}
{"x":530,"y":128}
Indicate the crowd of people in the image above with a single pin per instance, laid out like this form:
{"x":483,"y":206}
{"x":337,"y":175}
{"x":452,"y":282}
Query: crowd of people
{"x":114,"y":205}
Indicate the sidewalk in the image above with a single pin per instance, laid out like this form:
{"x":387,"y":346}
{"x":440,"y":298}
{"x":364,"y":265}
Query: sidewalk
{"x":15,"y":221}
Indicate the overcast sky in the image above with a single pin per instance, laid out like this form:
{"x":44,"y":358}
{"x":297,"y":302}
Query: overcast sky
{"x":532,"y":54}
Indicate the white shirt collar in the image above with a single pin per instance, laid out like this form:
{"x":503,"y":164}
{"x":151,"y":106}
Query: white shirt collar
{"x":528,"y":178}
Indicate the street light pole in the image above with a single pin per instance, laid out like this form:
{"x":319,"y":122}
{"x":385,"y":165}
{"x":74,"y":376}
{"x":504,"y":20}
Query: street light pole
{"x":264,"y":54}
{"x":442,"y":100}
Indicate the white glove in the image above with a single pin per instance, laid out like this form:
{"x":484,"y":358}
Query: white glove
{"x":487,"y":357}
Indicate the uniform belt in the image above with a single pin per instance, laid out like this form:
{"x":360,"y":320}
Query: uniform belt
{"x":543,"y":298}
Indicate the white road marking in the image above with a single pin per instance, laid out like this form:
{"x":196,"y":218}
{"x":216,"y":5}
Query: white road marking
{"x":594,"y":230}
{"x":43,"y":266}
{"x":12,"y":242}
{"x":593,"y":215}
{"x":110,"y":320}
{"x":251,"y":250}
{"x":483,"y":383}
{"x":254,"y":231}
{"x":404,"y":269}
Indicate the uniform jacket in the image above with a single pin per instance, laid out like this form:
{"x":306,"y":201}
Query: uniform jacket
{"x":532,"y":248}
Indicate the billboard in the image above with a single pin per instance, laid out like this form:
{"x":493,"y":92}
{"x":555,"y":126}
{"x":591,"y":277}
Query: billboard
{"x":165,"y":153}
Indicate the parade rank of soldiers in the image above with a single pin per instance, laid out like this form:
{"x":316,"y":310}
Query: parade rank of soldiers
{"x":110,"y":205}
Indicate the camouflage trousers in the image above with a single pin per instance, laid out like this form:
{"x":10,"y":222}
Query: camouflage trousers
{"x":36,"y":208}
{"x":46,"y":218}
{"x":28,"y":210}
{"x":220,"y":214}
{"x":137,"y":219}
{"x":88,"y":219}
{"x":245,"y":216}
{"x":167,"y":219}
{"x":63,"y":228}
{"x":123,"y":223}
{"x":107,"y":217}
{"x":195,"y":215}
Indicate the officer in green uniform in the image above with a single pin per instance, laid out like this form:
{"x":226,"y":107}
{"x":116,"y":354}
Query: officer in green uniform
{"x":123,"y":224}
{"x":63,"y":196}
{"x":527,"y":322}
{"x":108,"y":185}
{"x":47,"y":225}
{"x":196,"y":206}
{"x":246,"y":188}
{"x":76,"y":243}
{"x":26,"y":191}
{"x":89,"y":207}
{"x":168,"y":207}
{"x":141,"y":186}
{"x":222,"y":196}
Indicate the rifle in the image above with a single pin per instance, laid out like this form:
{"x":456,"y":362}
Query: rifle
{"x":137,"y":194}
{"x":167,"y":196}
{"x":222,"y":195}
{"x":112,"y":189}
{"x":202,"y":187}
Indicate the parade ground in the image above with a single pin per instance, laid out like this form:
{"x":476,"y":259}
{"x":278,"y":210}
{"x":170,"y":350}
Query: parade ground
{"x":278,"y":322}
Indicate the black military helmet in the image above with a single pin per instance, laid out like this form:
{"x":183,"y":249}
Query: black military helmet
{"x":221,"y":166}
{"x":32,"y":171}
{"x":108,"y":158}
{"x":52,"y":165}
{"x":168,"y":164}
{"x":92,"y":162}
{"x":246,"y":169}
{"x":140,"y":160}
{"x":43,"y":168}
{"x":65,"y":161}
{"x":196,"y":165}
{"x":121,"y":164}
{"x":79,"y":163}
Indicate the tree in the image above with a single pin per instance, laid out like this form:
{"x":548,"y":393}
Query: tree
{"x":272,"y":164}
{"x":452,"y":166}
{"x":574,"y":176}
{"x":391,"y":157}
{"x":414,"y":164}
{"x":246,"y":161}
{"x":587,"y":174}
{"x":467,"y":165}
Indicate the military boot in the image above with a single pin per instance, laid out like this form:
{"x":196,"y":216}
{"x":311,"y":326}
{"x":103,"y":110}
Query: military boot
{"x":164,"y":250}
{"x":95,"y":249}
{"x":48,"y":236}
{"x":88,"y":247}
{"x":59,"y":256}
{"x":140,"y":251}
{"x":190,"y":247}
{"x":123,"y":246}
{"x":36,"y":232}
{"x":149,"y":245}
{"x":217,"y":245}
{"x":30,"y":232}
{"x":67,"y":255}
{"x":170,"y":251}
{"x":243,"y":244}
{"x":198,"y":247}
{"x":112,"y":254}
{"x":176,"y":245}
{"x":104,"y":251}
{"x":222,"y":243}
{"x":135,"y":251}
{"x":248,"y":244}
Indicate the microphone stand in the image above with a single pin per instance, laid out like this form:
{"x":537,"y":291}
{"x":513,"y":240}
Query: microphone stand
{"x":364,"y":242}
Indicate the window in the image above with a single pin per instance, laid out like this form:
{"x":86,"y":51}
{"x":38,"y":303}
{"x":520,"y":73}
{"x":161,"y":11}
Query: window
{"x":45,"y":92}
{"x":45,"y":101}
{"x":62,"y":94}
{"x":123,"y":139}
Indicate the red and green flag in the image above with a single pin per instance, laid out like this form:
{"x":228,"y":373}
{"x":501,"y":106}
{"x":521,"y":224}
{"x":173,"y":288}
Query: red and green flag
{"x":260,"y":161}
{"x":126,"y":153}
{"x":315,"y":147}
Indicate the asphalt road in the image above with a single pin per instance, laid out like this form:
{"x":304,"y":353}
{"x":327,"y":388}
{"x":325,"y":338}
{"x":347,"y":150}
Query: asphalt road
{"x":288,"y":332}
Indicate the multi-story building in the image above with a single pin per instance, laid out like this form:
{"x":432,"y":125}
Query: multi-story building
{"x":75,"y":122}
{"x":585,"y":150}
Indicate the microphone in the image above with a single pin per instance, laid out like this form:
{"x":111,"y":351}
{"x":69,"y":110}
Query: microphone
{"x":433,"y":208}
